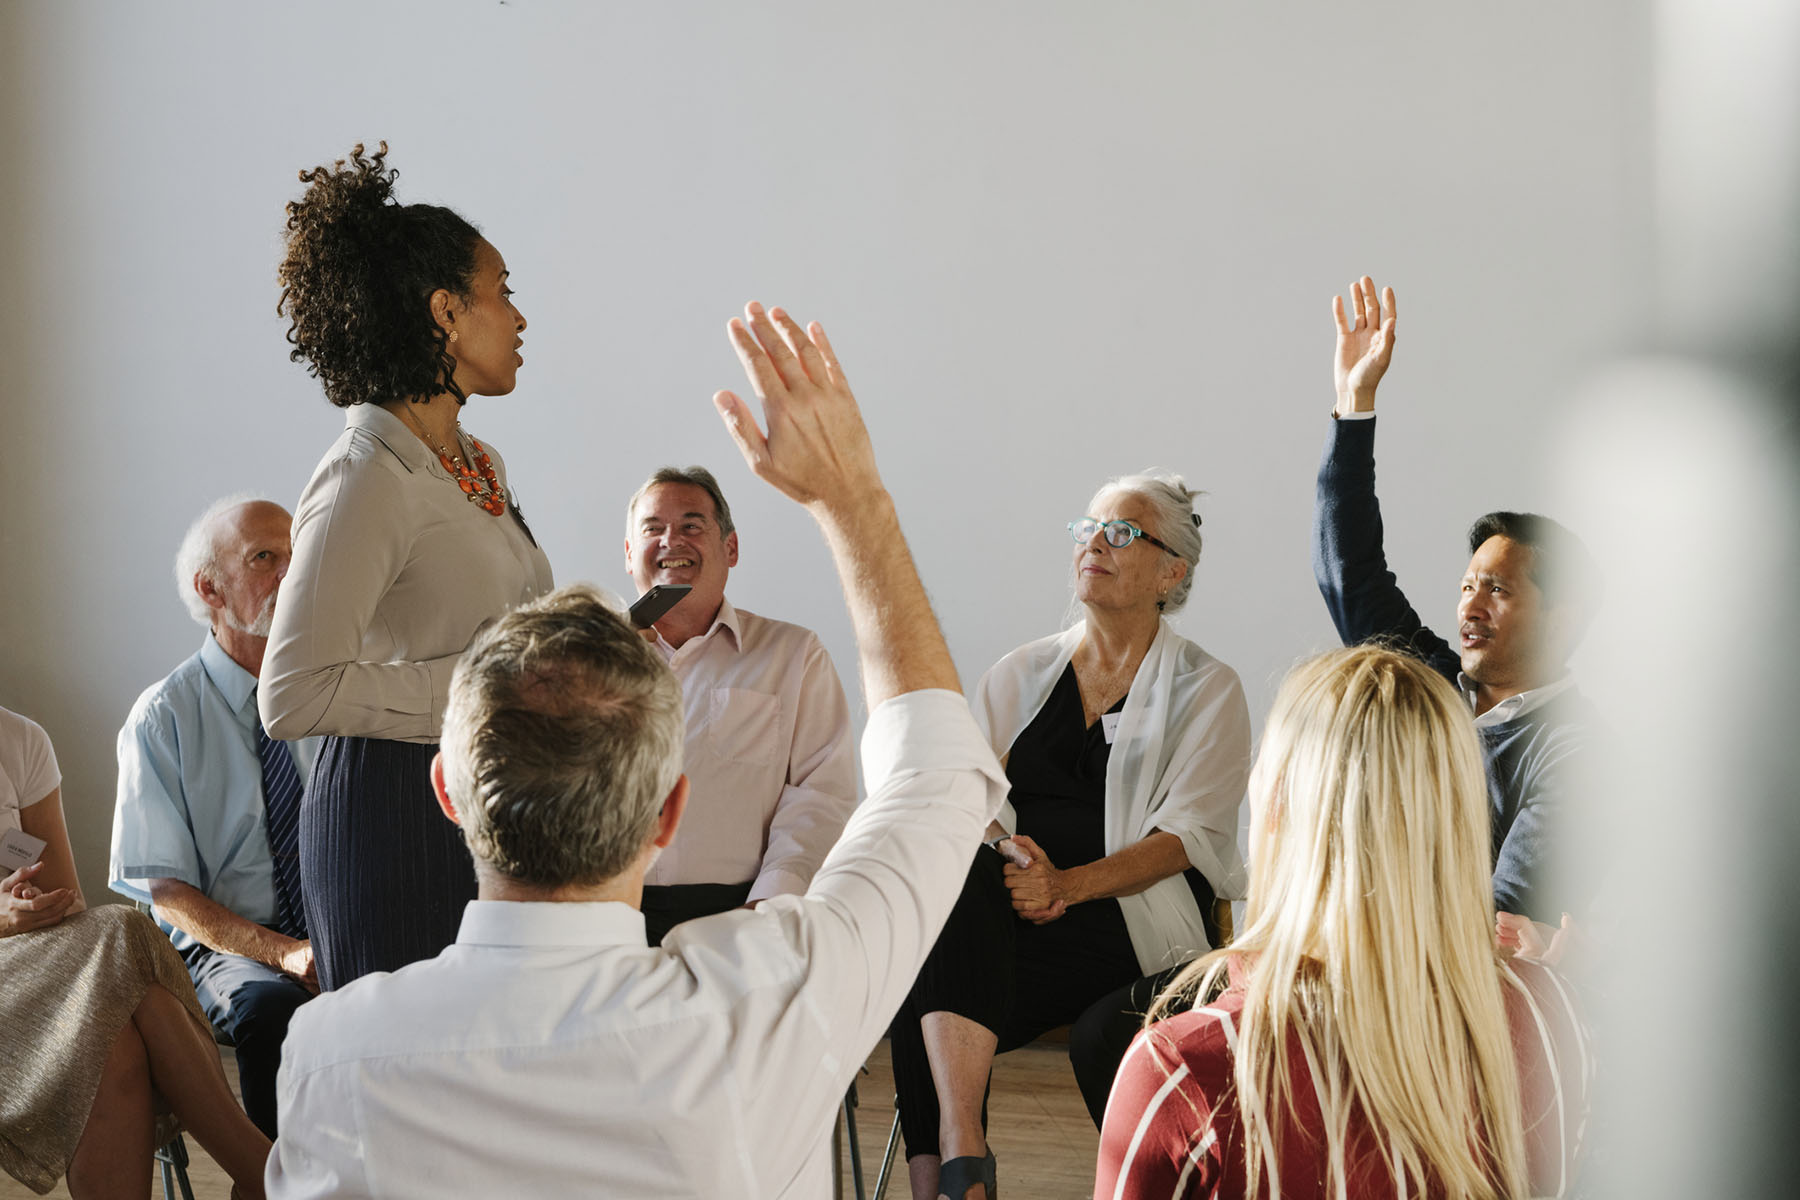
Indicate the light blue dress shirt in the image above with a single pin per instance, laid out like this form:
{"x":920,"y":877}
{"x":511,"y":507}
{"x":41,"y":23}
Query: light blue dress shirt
{"x":190,"y":803}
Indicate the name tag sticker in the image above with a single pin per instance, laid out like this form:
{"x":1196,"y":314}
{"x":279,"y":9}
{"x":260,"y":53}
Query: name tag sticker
{"x":1109,"y":726}
{"x":18,"y":849}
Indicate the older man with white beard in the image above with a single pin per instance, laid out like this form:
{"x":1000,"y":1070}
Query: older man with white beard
{"x":207,"y":822}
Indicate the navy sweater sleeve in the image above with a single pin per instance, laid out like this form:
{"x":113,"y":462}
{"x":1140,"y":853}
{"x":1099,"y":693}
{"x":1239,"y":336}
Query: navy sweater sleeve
{"x":1364,"y":597}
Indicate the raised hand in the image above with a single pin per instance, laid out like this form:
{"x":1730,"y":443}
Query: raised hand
{"x":816,"y":449}
{"x":1365,"y":344}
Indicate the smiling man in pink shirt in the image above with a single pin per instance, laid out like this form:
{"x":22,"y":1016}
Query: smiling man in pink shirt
{"x":768,"y":752}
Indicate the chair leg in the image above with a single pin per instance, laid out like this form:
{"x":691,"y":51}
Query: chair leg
{"x":887,"y":1156}
{"x":856,"y":1174}
{"x":172,"y":1156}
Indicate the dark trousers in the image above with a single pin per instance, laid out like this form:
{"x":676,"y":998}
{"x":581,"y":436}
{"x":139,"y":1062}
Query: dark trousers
{"x":384,"y":873}
{"x":250,"y":1004}
{"x":668,"y":905}
{"x":1099,"y":1039}
{"x":1015,"y":978}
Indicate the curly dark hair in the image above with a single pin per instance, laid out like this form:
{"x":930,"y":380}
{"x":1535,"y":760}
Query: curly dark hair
{"x":357,"y":279}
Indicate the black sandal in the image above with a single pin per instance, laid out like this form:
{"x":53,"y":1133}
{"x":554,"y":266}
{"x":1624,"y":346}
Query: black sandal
{"x":957,"y":1175}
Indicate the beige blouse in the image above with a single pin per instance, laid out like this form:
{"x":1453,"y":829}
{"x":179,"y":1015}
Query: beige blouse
{"x":394,"y":572}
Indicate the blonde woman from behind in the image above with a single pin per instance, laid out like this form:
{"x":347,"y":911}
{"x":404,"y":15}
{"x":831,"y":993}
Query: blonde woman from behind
{"x":1364,"y":1037}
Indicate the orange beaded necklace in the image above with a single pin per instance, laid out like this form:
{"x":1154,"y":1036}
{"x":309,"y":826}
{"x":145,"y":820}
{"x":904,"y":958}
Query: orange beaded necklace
{"x":477,"y":480}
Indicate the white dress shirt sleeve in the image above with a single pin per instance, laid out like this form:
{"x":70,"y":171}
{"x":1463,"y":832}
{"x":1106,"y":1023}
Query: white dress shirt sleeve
{"x":820,"y":791}
{"x":876,"y":906}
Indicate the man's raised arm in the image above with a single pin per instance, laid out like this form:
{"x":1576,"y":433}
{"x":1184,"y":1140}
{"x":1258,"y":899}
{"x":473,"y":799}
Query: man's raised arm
{"x":1349,"y":564}
{"x":817,"y":451}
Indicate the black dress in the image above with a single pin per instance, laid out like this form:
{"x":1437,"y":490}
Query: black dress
{"x":1016,"y":978}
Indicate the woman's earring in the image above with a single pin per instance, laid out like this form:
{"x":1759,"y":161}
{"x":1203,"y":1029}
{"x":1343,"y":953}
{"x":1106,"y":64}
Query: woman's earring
{"x":453,"y":335}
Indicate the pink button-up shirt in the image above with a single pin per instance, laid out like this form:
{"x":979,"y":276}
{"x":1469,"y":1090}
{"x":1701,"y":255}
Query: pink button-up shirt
{"x":768,"y":756}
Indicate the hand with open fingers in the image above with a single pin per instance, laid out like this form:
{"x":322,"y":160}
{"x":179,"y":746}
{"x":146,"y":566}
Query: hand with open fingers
{"x":816,"y":449}
{"x":24,"y":906}
{"x":1038,"y":888}
{"x":1365,"y":344}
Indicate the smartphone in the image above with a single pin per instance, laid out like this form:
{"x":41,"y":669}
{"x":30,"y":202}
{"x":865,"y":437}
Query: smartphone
{"x":651,"y":606}
{"x":19,"y":849}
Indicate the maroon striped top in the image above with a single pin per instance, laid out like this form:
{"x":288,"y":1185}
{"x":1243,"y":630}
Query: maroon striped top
{"x":1163,"y":1137}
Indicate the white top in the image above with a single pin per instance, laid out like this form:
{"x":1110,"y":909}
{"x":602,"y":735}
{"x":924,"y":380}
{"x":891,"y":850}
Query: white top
{"x":393,"y":573}
{"x":770,"y":771}
{"x":1179,"y":762}
{"x":549,"y":1052}
{"x":28,"y":771}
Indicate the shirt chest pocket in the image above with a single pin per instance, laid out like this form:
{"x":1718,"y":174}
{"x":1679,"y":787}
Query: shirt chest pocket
{"x":743,"y":727}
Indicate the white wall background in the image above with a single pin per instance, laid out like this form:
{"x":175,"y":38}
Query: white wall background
{"x":1053,"y":242}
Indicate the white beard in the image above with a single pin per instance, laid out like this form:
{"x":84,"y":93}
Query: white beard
{"x":264,"y":621}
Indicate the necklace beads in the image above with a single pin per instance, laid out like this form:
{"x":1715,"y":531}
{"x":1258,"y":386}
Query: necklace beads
{"x":477,"y":481}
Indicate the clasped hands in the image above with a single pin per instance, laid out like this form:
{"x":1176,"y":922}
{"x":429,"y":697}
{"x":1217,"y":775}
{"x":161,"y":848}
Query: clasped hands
{"x":24,"y":906}
{"x":1040,"y":892}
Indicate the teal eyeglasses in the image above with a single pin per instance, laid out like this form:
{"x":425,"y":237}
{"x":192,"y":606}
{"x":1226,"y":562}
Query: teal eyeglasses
{"x":1118,"y":534}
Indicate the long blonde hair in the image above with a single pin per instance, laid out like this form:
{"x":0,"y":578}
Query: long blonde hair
{"x":1369,"y":933}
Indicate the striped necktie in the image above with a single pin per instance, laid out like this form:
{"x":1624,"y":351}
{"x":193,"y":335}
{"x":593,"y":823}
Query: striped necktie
{"x":281,"y":802}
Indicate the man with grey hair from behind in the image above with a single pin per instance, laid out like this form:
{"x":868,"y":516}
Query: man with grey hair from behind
{"x":710,"y":1066}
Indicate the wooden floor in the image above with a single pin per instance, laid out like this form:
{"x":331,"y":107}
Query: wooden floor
{"x":1040,"y":1132}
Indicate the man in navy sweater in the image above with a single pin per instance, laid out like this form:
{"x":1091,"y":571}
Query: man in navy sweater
{"x":1524,"y":607}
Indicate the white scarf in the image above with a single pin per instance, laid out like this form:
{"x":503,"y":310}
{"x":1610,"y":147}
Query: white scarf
{"x":1180,"y":759}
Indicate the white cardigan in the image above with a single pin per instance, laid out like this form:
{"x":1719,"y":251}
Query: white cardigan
{"x":1180,"y":759}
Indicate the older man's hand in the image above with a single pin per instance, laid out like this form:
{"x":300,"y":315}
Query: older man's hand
{"x":816,"y":449}
{"x":297,"y":961}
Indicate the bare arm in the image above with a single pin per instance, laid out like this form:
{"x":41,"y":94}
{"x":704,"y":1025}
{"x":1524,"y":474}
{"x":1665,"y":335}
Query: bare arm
{"x":45,"y":820}
{"x":45,"y":892}
{"x":816,"y":451}
{"x":217,"y":927}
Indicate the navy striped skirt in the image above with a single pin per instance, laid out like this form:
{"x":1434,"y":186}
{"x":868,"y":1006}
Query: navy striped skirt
{"x":383,"y":872}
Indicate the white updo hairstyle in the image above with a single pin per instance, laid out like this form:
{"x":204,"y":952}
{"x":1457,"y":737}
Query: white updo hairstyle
{"x":1173,"y":520}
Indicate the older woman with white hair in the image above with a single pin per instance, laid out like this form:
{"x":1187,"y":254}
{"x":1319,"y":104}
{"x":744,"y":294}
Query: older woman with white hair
{"x":1127,"y":747}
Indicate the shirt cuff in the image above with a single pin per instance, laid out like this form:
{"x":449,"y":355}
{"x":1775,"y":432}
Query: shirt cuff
{"x":926,"y":730}
{"x":779,"y":882}
{"x":1355,"y":416}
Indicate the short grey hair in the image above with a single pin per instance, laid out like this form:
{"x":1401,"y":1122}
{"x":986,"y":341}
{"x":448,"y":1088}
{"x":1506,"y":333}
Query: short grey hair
{"x":698,"y":477}
{"x":1173,"y":520}
{"x":199,"y":553}
{"x":562,"y":738}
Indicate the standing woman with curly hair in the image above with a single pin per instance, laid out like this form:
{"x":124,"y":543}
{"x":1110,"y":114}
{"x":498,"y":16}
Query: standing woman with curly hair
{"x":406,"y":541}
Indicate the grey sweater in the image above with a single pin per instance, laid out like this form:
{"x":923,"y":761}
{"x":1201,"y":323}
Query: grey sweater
{"x":1533,"y":761}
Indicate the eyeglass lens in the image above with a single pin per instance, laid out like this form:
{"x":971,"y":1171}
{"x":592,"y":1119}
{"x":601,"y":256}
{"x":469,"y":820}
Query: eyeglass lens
{"x":1118,"y":533}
